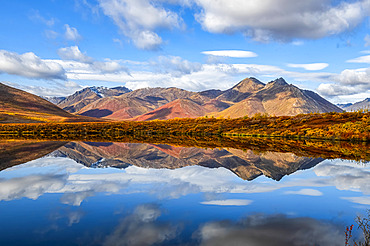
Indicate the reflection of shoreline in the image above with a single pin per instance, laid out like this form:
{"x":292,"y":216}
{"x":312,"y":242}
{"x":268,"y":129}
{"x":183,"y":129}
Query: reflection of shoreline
{"x":13,"y":153}
{"x":245,"y":164}
{"x":308,"y":148}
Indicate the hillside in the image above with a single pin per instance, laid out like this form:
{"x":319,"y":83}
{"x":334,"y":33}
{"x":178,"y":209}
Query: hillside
{"x":142,"y":101}
{"x":17,"y":106}
{"x":80,"y":99}
{"x":179,"y":108}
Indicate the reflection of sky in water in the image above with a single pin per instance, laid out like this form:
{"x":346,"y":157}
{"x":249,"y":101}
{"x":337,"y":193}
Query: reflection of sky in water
{"x":55,"y":199}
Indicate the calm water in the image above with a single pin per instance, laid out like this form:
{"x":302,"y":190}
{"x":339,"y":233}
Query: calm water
{"x":141,"y":194}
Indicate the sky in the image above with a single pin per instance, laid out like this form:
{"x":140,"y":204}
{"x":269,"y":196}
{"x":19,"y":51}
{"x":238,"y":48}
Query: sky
{"x":55,"y":47}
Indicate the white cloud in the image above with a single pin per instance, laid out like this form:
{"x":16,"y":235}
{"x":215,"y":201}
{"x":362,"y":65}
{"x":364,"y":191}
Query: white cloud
{"x":336,"y":89}
{"x":138,"y":20}
{"x":73,"y":53}
{"x":349,"y":82}
{"x":309,"y":66}
{"x":305,"y":192}
{"x":176,"y":66}
{"x":35,"y":16}
{"x":228,"y":202}
{"x":76,"y":61}
{"x":50,"y":34}
{"x":56,"y":89}
{"x":231,"y":53}
{"x":71,"y":33}
{"x":281,"y":19}
{"x":361,"y":59}
{"x":367,"y":40}
{"x":29,"y":65}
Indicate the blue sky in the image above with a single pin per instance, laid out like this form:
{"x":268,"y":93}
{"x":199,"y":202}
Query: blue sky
{"x":55,"y":47}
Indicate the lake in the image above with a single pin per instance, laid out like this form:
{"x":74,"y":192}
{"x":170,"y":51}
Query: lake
{"x":91,"y":193}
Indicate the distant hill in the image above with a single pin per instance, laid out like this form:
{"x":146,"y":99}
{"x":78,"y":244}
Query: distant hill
{"x":179,"y":108}
{"x":17,"y":106}
{"x":80,"y":99}
{"x":142,"y":101}
{"x":364,"y":104}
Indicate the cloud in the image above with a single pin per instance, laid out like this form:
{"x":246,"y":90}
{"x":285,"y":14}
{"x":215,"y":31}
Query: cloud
{"x":29,"y":65}
{"x":50,"y":34}
{"x":271,"y":230}
{"x":361,"y":59}
{"x":305,"y":192}
{"x":71,"y":33}
{"x":176,"y":66}
{"x":56,"y":89}
{"x":138,"y":19}
{"x":336,"y":89}
{"x":35,"y":16}
{"x":73,"y":53}
{"x":367,"y":40}
{"x":228,"y":202}
{"x":350,"y":82}
{"x":231,"y":53}
{"x":281,"y":20}
{"x":142,"y":228}
{"x":85,"y":64}
{"x":309,"y":66}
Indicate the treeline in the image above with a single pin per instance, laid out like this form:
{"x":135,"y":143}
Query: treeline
{"x":353,"y":126}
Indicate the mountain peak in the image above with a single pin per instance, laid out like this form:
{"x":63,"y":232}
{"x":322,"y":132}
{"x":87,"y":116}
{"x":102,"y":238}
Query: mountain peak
{"x":248,"y":85}
{"x":279,"y":81}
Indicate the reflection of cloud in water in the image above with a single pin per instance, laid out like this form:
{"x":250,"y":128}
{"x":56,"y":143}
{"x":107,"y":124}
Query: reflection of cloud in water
{"x":228,"y":202}
{"x":142,"y":228}
{"x":75,"y":196}
{"x":305,"y":192}
{"x":52,"y":175}
{"x":275,"y":230}
{"x":31,"y":186}
{"x":346,"y":177}
{"x":364,"y":200}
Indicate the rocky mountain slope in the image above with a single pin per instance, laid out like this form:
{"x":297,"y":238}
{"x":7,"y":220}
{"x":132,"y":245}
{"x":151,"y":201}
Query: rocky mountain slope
{"x":278,"y":98}
{"x":80,"y":99}
{"x":364,"y":104}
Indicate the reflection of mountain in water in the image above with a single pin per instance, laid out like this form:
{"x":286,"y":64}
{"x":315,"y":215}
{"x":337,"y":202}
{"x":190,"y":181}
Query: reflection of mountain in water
{"x":246,"y":164}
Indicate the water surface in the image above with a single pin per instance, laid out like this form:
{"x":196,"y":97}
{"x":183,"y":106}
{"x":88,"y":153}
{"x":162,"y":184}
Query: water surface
{"x":87,"y":193}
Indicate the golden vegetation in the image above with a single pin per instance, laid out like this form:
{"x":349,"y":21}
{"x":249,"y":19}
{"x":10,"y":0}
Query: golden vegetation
{"x":354,"y":126}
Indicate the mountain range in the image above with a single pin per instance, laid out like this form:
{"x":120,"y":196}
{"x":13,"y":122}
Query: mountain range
{"x":364,"y":104}
{"x":248,"y":97}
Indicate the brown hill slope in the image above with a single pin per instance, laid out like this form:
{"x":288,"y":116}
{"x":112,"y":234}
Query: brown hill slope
{"x":80,"y":99}
{"x":20,"y":106}
{"x":279,"y":98}
{"x":179,"y":108}
{"x":142,"y":101}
